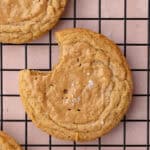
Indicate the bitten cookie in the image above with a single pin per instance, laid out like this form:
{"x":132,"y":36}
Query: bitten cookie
{"x":8,"y":143}
{"x":24,"y":20}
{"x":86,"y":94}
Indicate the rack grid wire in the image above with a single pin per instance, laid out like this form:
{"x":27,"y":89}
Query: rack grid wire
{"x":133,"y":131}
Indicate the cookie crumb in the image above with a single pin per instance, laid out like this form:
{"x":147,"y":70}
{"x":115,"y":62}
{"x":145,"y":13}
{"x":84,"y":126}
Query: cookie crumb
{"x":88,"y":74}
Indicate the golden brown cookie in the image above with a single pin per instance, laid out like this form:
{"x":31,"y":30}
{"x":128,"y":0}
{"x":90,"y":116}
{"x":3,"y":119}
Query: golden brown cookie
{"x":87,"y":93}
{"x":25,"y":20}
{"x":7,"y":142}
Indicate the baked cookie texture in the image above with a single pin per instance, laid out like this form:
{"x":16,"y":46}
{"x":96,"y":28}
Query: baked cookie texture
{"x":24,"y":20}
{"x":86,"y":94}
{"x":8,"y":143}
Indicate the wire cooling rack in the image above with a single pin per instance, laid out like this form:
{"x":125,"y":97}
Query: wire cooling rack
{"x":125,"y":21}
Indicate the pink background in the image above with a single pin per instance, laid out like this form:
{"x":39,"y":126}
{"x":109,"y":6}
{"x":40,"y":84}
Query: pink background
{"x":38,"y":58}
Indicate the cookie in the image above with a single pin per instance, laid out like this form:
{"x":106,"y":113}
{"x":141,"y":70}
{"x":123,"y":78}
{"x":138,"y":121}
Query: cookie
{"x":24,"y":20}
{"x":86,"y":94}
{"x":8,"y":143}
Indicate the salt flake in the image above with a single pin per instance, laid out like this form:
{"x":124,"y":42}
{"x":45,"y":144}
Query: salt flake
{"x":90,"y":84}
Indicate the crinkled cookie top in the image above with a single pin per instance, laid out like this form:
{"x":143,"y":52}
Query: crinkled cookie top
{"x":25,"y":20}
{"x":86,"y":94}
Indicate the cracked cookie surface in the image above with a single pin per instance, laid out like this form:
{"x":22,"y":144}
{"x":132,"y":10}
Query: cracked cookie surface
{"x":86,"y":94}
{"x":24,"y":20}
{"x":8,"y":143}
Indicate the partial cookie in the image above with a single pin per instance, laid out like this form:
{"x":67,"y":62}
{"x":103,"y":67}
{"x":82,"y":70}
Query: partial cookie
{"x":24,"y":20}
{"x":87,"y":93}
{"x":8,"y":143}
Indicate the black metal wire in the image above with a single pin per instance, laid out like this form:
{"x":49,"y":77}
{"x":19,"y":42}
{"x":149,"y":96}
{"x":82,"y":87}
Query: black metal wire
{"x":125,"y":47}
{"x":55,"y":44}
{"x":99,"y":145}
{"x":26,"y":118}
{"x":148,"y":77}
{"x":85,"y":145}
{"x":127,"y":120}
{"x":1,"y":63}
{"x":74,"y":25}
{"x":16,"y":95}
{"x":15,"y":69}
{"x":50,"y":67}
{"x":101,"y":18}
{"x":99,"y":11}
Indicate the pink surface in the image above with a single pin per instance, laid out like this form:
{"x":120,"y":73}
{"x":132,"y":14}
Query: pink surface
{"x":114,"y":137}
{"x":9,"y":108}
{"x":60,"y":148}
{"x":10,"y":84}
{"x":38,"y":58}
{"x":137,"y":31}
{"x":9,"y":57}
{"x":135,"y":148}
{"x":16,"y":130}
{"x":38,"y":148}
{"x":136,"y":133}
{"x":111,"y":29}
{"x":138,"y":108}
{"x":89,"y":24}
{"x":138,"y":52}
{"x":140,"y":82}
{"x":36,"y":136}
{"x":87,"y":8}
{"x":112,"y":8}
{"x":112,"y":148}
{"x":137,"y":8}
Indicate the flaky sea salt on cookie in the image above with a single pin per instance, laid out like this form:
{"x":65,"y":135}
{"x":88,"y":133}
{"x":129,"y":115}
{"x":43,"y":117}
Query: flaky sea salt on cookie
{"x":24,"y":20}
{"x":87,"y":93}
{"x":8,"y":143}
